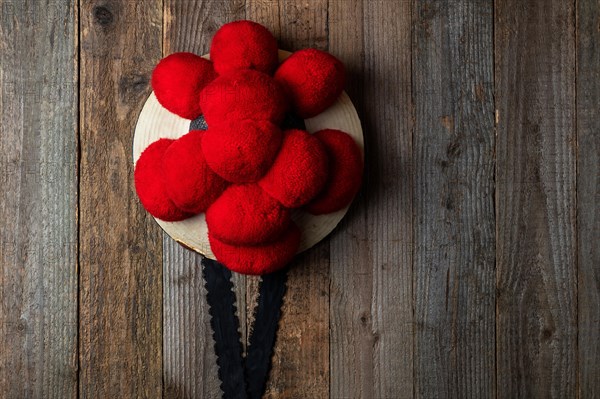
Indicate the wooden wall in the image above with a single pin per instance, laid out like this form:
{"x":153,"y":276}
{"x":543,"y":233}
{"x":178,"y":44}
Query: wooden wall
{"x":467,"y":267}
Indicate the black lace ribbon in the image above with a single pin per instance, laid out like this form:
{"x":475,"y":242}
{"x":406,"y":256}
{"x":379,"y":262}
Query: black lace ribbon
{"x":243,"y":378}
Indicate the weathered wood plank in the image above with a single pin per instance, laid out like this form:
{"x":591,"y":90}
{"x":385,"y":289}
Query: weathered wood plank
{"x":38,"y":205}
{"x":454,"y":277}
{"x":535,"y":177}
{"x":371,"y":251}
{"x":120,"y":244}
{"x":267,"y":13}
{"x":190,"y":368}
{"x":588,"y":196}
{"x":301,"y":354}
{"x":301,"y":24}
{"x":300,"y":360}
{"x":189,"y":361}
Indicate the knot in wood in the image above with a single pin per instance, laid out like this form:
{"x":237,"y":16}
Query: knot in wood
{"x":103,"y":15}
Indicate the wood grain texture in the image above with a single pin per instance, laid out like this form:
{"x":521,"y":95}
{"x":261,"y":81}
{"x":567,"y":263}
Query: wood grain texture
{"x":189,"y":361}
{"x":536,"y":249}
{"x":588,"y":197}
{"x":38,"y":205}
{"x":454,"y":289}
{"x":190,"y":369}
{"x":467,"y":267}
{"x":300,"y":364}
{"x":301,"y":354}
{"x":120,"y":247}
{"x":371,"y":256}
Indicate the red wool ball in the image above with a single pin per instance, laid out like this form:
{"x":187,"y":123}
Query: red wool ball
{"x":190,"y":183}
{"x":299,"y":171}
{"x":314,"y":79}
{"x":178,"y":80}
{"x":241,"y":151}
{"x":149,"y":183}
{"x":259,"y":259}
{"x":245,"y":94}
{"x":246,"y":215}
{"x":244,"y":45}
{"x":345,"y":172}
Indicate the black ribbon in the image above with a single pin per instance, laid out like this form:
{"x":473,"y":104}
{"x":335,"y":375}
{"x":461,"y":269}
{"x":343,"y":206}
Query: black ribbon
{"x":243,"y":378}
{"x":225,"y":326}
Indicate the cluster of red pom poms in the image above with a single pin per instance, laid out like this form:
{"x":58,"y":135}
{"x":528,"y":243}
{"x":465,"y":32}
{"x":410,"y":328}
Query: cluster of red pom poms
{"x":246,"y":173}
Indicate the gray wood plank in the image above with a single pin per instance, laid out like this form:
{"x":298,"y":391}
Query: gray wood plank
{"x":38,"y":205}
{"x":535,"y":175}
{"x":189,"y":363}
{"x":454,"y":278}
{"x":300,"y":367}
{"x":121,"y":249}
{"x":371,"y":251}
{"x":588,"y":197}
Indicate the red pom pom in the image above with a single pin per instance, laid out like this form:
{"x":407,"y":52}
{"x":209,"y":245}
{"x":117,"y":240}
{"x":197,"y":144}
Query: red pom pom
{"x":245,"y":94}
{"x":345,"y":172}
{"x":244,"y":45}
{"x":241,"y":151}
{"x":149,"y":183}
{"x":314,"y":79}
{"x":299,"y":171}
{"x":190,"y":183}
{"x":260,"y":259}
{"x":178,"y":80}
{"x":246,"y":215}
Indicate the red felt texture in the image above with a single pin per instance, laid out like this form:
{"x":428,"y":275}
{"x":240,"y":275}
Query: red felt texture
{"x":189,"y":182}
{"x":299,"y":171}
{"x":246,"y":215}
{"x":244,"y":45}
{"x":244,"y":172}
{"x":258,"y":259}
{"x":149,"y":183}
{"x":314,"y":80}
{"x":245,"y":94}
{"x":345,"y":172}
{"x":178,"y":80}
{"x":241,"y":151}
